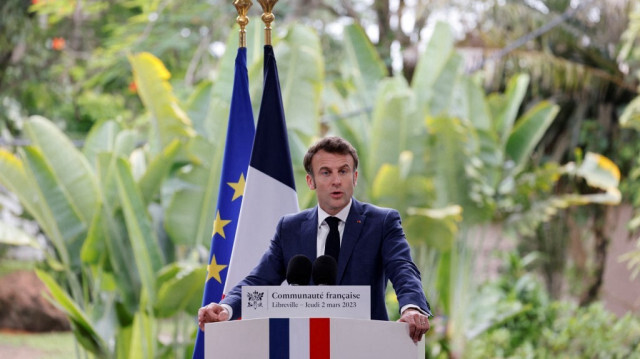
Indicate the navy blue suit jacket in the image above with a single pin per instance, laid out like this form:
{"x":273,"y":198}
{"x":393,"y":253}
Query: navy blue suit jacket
{"x":373,"y":250}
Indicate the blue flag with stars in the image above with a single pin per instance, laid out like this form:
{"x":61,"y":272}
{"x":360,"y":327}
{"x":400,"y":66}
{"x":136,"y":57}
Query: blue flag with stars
{"x":237,"y":154}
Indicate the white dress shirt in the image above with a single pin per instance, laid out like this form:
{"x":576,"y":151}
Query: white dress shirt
{"x":323,"y":227}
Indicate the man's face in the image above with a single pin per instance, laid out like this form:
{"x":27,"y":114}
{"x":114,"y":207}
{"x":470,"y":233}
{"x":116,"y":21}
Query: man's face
{"x":333,"y":177}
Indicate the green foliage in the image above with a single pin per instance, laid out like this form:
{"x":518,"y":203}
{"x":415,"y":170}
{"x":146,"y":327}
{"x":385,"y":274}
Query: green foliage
{"x":630,"y":118}
{"x":532,"y":326}
{"x":574,"y":332}
{"x":515,"y":308}
{"x":592,"y":332}
{"x":452,"y":160}
{"x":129,"y":214}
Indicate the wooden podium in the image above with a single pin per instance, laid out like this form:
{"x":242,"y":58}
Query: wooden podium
{"x":313,"y":338}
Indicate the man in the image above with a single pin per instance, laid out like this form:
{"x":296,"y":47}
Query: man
{"x":369,"y":242}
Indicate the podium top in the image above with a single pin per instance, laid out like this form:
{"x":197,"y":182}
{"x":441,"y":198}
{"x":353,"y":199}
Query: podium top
{"x":336,"y":301}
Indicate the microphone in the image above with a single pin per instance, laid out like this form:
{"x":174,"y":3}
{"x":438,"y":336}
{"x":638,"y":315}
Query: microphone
{"x":299,"y":270}
{"x":325,"y":270}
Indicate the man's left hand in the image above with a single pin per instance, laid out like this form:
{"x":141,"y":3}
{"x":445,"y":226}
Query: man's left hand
{"x":418,"y":323}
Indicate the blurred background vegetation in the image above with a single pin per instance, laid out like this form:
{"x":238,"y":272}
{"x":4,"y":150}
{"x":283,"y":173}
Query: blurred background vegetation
{"x":506,"y":133}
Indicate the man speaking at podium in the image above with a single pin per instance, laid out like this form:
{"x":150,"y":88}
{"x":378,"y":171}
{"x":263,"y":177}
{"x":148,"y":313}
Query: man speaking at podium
{"x":367,"y":241}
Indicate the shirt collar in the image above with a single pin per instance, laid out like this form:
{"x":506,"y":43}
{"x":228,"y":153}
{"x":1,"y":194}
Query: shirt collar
{"x":343,"y":214}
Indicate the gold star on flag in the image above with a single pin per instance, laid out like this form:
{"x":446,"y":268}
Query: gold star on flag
{"x":238,"y":187}
{"x":214,"y":269}
{"x":218,"y":225}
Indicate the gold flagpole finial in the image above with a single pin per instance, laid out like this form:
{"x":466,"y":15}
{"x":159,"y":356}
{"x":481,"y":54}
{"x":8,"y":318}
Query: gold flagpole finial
{"x":267,"y":18}
{"x":242,"y":6}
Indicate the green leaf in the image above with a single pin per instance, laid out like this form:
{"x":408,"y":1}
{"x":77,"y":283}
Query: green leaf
{"x":168,"y":119}
{"x":69,"y":167}
{"x":449,"y":158}
{"x":157,"y":171}
{"x":108,"y":240}
{"x":85,"y":333}
{"x":15,"y":178}
{"x":390,"y":188}
{"x":432,"y":62}
{"x":94,"y":246}
{"x":197,"y":108}
{"x":528,"y":131}
{"x":362,"y":64}
{"x":437,"y":228}
{"x":390,"y":121}
{"x":109,"y":137}
{"x":143,"y":339}
{"x":301,"y":73}
{"x":191,"y":206}
{"x":142,"y":238}
{"x":445,"y":89}
{"x":478,"y":109}
{"x":68,"y":229}
{"x":508,"y":106}
{"x":178,"y":285}
{"x":101,"y":138}
{"x":630,"y":117}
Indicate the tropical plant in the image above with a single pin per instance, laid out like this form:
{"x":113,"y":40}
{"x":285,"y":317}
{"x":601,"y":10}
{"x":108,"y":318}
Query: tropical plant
{"x":521,"y":305}
{"x":630,"y":118}
{"x":130,"y":214}
{"x":450,"y":158}
{"x":458,"y":161}
{"x":540,"y":328}
{"x":570,"y":51}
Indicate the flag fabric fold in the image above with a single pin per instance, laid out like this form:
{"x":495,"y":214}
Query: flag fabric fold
{"x":237,"y":154}
{"x":270,"y":188}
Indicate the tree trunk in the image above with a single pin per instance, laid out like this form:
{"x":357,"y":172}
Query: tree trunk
{"x":600,"y":244}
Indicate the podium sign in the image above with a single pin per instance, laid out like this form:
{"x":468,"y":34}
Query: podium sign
{"x":335,"y":301}
{"x":310,"y":338}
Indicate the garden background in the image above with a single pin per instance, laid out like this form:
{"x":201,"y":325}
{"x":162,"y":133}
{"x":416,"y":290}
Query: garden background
{"x":505,"y":132}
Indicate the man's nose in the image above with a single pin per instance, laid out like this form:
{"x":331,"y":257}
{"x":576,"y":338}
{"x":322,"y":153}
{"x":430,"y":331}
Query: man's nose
{"x":336,"y":179}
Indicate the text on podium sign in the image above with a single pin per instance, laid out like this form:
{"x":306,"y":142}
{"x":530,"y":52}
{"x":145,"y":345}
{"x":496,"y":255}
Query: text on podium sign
{"x":335,"y":301}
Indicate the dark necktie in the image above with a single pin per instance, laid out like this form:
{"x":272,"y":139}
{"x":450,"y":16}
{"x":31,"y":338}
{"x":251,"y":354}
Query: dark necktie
{"x":332,"y":246}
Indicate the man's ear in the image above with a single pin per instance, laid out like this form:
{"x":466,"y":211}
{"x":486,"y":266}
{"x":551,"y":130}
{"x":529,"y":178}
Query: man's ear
{"x":355,"y":178}
{"x":311,"y":182}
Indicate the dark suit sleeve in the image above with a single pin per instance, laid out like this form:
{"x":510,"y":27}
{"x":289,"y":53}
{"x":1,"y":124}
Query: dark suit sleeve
{"x":271,"y":270}
{"x":398,"y":265}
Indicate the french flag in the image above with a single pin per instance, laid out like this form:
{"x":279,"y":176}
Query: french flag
{"x":270,"y":190}
{"x":272,"y":338}
{"x":299,"y":338}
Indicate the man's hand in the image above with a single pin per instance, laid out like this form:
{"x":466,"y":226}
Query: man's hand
{"x":418,"y":323}
{"x":210,"y":313}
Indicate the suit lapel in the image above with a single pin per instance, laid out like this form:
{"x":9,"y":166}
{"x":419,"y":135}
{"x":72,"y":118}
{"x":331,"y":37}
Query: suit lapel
{"x":309,"y":234}
{"x":352,"y":229}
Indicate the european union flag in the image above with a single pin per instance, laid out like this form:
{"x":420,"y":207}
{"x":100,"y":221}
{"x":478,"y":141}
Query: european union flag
{"x":237,"y":154}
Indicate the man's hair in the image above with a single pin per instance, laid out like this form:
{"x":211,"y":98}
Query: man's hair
{"x":332,"y":144}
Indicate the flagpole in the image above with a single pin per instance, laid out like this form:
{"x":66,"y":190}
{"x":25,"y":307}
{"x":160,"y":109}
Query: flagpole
{"x":267,"y":18}
{"x":242,"y":7}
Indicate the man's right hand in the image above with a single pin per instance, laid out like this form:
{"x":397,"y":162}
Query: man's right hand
{"x":210,"y":313}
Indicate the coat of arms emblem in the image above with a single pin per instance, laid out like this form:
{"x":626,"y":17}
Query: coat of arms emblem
{"x":255,"y":299}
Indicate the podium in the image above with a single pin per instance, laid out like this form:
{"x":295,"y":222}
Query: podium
{"x":312,"y":338}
